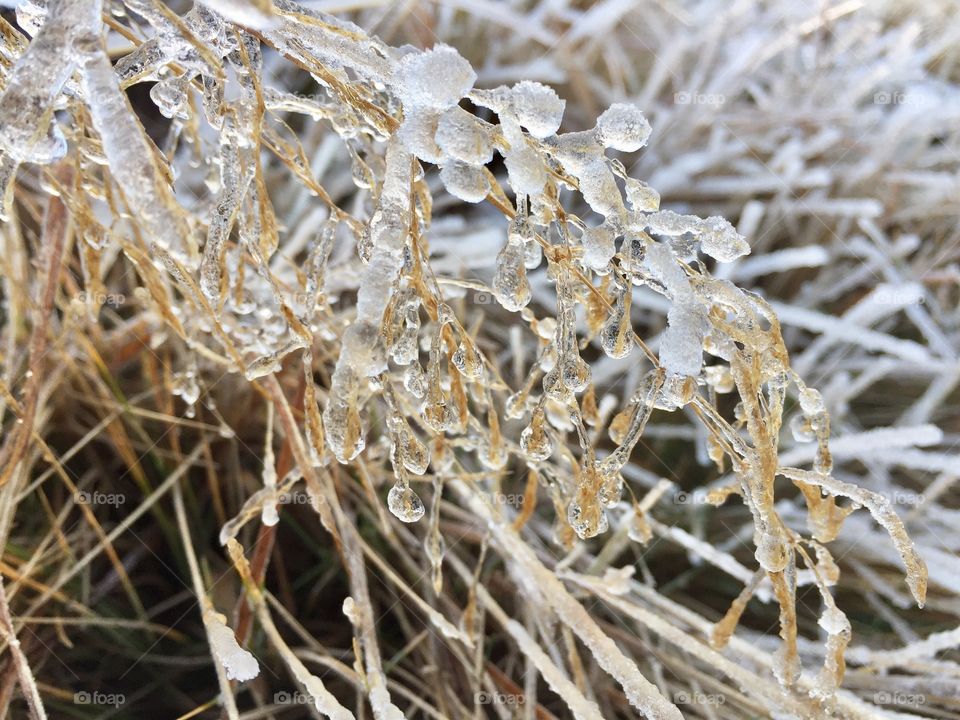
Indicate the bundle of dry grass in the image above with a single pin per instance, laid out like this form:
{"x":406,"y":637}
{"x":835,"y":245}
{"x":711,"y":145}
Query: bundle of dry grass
{"x":342,"y":378}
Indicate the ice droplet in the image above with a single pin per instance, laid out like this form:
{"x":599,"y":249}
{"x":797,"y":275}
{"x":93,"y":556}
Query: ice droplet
{"x":510,"y":283}
{"x":616,"y":335}
{"x":623,"y":127}
{"x":587,"y":521}
{"x":405,"y":503}
{"x":801,"y":429}
{"x":641,"y":197}
{"x":534,"y":440}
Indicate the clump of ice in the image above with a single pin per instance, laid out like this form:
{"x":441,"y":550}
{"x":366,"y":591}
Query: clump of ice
{"x":435,"y":79}
{"x":623,"y":127}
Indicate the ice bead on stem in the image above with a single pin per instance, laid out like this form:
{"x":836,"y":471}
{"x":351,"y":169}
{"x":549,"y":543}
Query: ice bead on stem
{"x":405,"y":347}
{"x":616,"y":335}
{"x":510,"y":283}
{"x":404,"y":503}
{"x":585,"y":511}
{"x":623,"y":127}
{"x":571,"y":373}
{"x":407,"y":450}
{"x":438,"y":410}
{"x":240,"y":664}
{"x":534,"y":440}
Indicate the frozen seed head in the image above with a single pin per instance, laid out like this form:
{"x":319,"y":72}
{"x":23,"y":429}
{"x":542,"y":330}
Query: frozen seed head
{"x":623,"y":127}
{"x":537,"y":107}
{"x":435,"y":79}
{"x":719,"y":240}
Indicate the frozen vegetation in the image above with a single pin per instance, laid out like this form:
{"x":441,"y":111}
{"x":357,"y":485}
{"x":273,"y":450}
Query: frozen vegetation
{"x":424,"y":387}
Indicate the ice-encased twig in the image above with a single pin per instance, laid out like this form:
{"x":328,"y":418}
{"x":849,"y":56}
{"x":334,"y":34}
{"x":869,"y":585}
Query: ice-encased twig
{"x":130,"y":155}
{"x":359,"y":352}
{"x":882,"y":512}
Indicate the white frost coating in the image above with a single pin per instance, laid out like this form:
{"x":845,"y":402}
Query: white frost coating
{"x":778,"y":261}
{"x":240,"y":664}
{"x":435,"y":79}
{"x":525,"y":169}
{"x":581,"y":708}
{"x":640,"y":692}
{"x":681,"y":346}
{"x":852,"y":333}
{"x":598,"y":246}
{"x":867,"y":443}
{"x":667,"y":222}
{"x":623,"y":127}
